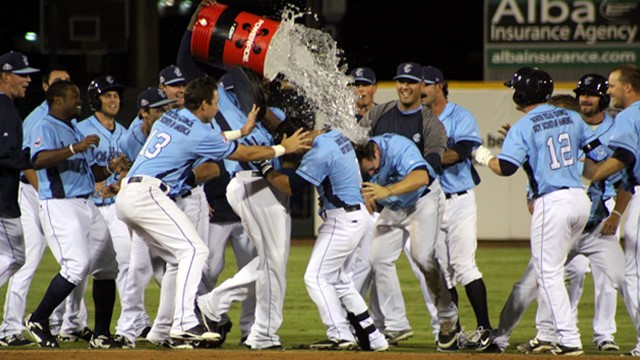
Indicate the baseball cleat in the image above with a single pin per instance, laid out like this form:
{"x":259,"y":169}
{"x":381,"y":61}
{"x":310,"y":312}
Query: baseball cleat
{"x":448,"y":342}
{"x":562,"y":350}
{"x":535,"y":346}
{"x":171,"y":344}
{"x":104,"y":342}
{"x":15,"y":341}
{"x":480,"y":339}
{"x":334,"y":344}
{"x":126,"y":343}
{"x":393,"y":337}
{"x":84,"y":334}
{"x":39,"y":331}
{"x":143,"y":334}
{"x":196,"y":333}
{"x":607,"y":345}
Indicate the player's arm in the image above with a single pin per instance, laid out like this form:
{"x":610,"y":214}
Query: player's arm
{"x":203,"y":173}
{"x":435,"y":141}
{"x":610,"y":224}
{"x":50,"y":158}
{"x":620,"y":158}
{"x":31,"y":177}
{"x":458,"y":152}
{"x":413,"y":181}
{"x":499,"y":167}
{"x":297,"y":141}
{"x":118,"y":165}
{"x":246,"y":129}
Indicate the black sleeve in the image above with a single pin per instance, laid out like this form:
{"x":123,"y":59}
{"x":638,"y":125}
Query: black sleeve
{"x":464,"y":148}
{"x":625,"y":156}
{"x":185,"y":61}
{"x":296,"y":182}
{"x":507,"y":168}
{"x":435,"y":161}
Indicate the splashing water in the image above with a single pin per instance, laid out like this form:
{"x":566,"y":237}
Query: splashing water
{"x":309,"y":59}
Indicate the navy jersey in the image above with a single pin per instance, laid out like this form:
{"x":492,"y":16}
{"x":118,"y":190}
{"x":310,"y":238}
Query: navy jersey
{"x":107,"y":150}
{"x":546,"y":143}
{"x":398,"y":157}
{"x":405,"y":123}
{"x":176,"y":142}
{"x":332,"y":167}
{"x":70,"y":178}
{"x":460,"y":125}
{"x":626,"y":135}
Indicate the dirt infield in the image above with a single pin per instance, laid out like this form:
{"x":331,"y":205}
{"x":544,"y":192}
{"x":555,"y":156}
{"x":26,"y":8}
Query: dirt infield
{"x":247,"y":354}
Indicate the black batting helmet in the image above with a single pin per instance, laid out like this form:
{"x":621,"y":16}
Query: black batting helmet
{"x":101,"y":85}
{"x":531,"y":85}
{"x":596,"y":85}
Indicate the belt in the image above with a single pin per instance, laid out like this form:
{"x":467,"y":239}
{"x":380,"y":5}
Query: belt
{"x":139,"y":179}
{"x":351,"y":208}
{"x":450,"y":195}
{"x":178,"y":197}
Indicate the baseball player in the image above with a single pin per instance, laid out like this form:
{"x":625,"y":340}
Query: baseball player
{"x":74,"y":228}
{"x":546,"y":142}
{"x":403,"y":183}
{"x":598,"y":244}
{"x":458,"y":179}
{"x":152,"y":103}
{"x":14,"y":80}
{"x":624,"y":89}
{"x":365,"y":87}
{"x":15,"y":303}
{"x":409,"y":118}
{"x":330,"y":165}
{"x":177,"y":141}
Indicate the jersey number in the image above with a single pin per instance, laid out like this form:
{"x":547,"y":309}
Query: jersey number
{"x":161,"y":140}
{"x":566,"y":157}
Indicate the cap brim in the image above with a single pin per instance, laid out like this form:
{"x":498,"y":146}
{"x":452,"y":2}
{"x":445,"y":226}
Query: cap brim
{"x":430,"y":81}
{"x":509,"y":84}
{"x":408,"y":77}
{"x":162,"y":103}
{"x":363,"y":80}
{"x":27,"y":70}
{"x":176,"y":81}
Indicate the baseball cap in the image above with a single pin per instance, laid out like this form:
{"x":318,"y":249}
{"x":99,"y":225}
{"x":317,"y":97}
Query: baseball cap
{"x":363,"y":75}
{"x":153,"y":97}
{"x":409,"y":71}
{"x":432,"y":75}
{"x":226,"y":81}
{"x":16,"y":63}
{"x":172,"y":75}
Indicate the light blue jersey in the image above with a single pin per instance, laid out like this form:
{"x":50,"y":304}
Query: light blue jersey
{"x":176,"y":142}
{"x":460,"y":125}
{"x":132,"y":141}
{"x":603,"y":131}
{"x":398,"y":157}
{"x":332,"y":167}
{"x":626,"y":135}
{"x":31,"y":121}
{"x":546,"y":142}
{"x":233,"y":119}
{"x":72,"y":177}
{"x":107,"y":150}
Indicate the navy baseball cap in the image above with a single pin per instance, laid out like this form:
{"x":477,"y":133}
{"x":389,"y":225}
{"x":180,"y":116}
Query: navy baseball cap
{"x":409,"y":71}
{"x":432,"y":75}
{"x":16,"y":63}
{"x":172,"y":75}
{"x":226,"y":81}
{"x":153,"y":97}
{"x":363,"y":75}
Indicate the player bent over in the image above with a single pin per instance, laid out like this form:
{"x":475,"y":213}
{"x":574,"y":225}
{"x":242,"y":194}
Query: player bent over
{"x":177,"y":141}
{"x":75,"y":231}
{"x":403,"y":182}
{"x":331,"y":166}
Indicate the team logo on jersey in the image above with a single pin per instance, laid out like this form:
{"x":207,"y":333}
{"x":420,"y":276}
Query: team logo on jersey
{"x":407,"y":68}
{"x":100,"y":156}
{"x":38,"y":142}
{"x":416,"y":137}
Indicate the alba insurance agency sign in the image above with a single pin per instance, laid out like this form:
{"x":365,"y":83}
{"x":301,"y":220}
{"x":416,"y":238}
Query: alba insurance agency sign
{"x":565,"y":37}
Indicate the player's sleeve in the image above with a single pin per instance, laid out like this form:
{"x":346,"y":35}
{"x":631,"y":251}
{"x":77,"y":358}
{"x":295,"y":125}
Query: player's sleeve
{"x":215,"y":147}
{"x":467,"y":128}
{"x":435,"y":140}
{"x":624,"y":135}
{"x":514,"y":148}
{"x":406,"y":156}
{"x":589,"y":142}
{"x":314,"y":166}
{"x":185,"y":60}
{"x":43,"y":139}
{"x":11,"y":154}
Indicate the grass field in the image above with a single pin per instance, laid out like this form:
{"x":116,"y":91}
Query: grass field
{"x":501,"y":267}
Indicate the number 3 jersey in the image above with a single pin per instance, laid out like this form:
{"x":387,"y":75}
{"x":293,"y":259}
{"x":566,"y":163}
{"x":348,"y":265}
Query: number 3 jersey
{"x":546,"y":143}
{"x":177,"y":141}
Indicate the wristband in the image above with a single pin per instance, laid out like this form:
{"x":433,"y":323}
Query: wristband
{"x":279,"y":149}
{"x":616,"y":212}
{"x":73,"y":152}
{"x":108,"y":170}
{"x":232,"y":135}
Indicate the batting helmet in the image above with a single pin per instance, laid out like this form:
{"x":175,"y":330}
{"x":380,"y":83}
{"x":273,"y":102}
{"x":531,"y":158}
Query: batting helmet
{"x":101,"y":85}
{"x":531,"y":85}
{"x":596,"y":85}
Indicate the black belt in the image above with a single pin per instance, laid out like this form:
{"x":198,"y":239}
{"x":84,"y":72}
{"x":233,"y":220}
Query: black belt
{"x":138,"y":179}
{"x":449,"y":195}
{"x":176,"y":197}
{"x":351,"y":208}
{"x":24,"y":180}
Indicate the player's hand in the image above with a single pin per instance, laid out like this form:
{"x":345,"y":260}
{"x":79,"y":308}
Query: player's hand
{"x":194,"y":17}
{"x":251,"y":121}
{"x":482,"y":155}
{"x":372,"y":192}
{"x":504,"y":130}
{"x":298,"y":141}
{"x":371,"y":206}
{"x":120,"y":164}
{"x":610,"y":225}
{"x":110,"y":190}
{"x":87,"y":142}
